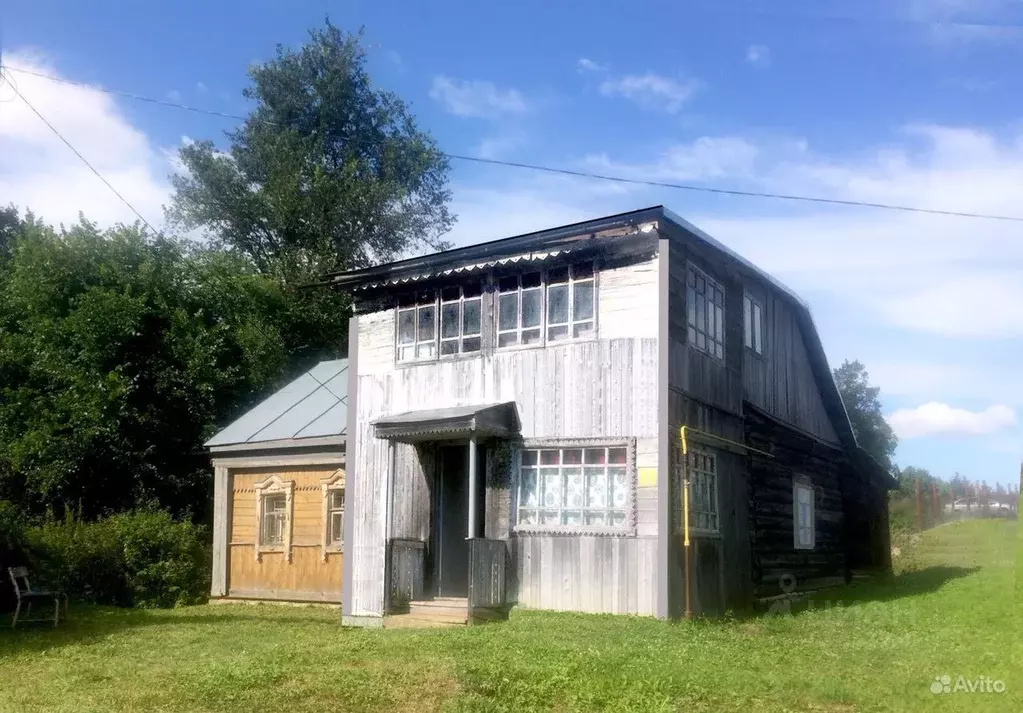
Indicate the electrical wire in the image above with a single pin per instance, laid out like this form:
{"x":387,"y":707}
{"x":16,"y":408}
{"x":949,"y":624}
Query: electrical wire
{"x":820,"y":200}
{"x":84,"y":160}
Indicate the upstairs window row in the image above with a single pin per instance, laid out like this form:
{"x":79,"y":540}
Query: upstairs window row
{"x":531,"y":308}
{"x":705,"y":303}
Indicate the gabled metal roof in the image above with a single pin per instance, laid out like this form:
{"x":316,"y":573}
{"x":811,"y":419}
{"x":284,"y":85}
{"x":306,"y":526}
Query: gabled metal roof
{"x":315,"y":405}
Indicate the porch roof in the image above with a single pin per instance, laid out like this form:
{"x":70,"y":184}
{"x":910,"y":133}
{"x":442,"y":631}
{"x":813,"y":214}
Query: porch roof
{"x":429,"y":424}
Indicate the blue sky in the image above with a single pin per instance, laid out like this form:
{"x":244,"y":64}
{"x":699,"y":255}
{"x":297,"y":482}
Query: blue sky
{"x":904,"y":101}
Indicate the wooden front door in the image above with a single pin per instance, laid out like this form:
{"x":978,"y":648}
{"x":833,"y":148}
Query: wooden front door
{"x":451,"y":522}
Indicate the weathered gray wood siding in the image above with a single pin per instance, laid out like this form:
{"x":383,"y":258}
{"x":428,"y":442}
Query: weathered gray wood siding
{"x":706,"y":394}
{"x":777,"y":564}
{"x":781,"y":381}
{"x":601,"y":388}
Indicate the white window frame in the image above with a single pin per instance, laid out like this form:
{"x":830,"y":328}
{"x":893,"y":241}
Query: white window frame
{"x":425,"y":350}
{"x":519,"y":508}
{"x":804,"y":520}
{"x":545,"y":326}
{"x":333,"y":484}
{"x":703,"y":485}
{"x":753,"y":323}
{"x":701,"y":313}
{"x":274,"y":485}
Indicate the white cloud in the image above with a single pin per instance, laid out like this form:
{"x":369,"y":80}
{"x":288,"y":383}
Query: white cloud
{"x":39,"y":172}
{"x":651,"y":90}
{"x":758,"y":55}
{"x":174,"y":95}
{"x":934,"y":419}
{"x":476,"y":98}
{"x":498,"y":146}
{"x":588,"y":65}
{"x":707,"y":157}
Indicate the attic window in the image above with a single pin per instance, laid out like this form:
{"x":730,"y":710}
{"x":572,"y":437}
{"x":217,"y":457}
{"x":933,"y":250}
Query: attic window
{"x":557,"y":305}
{"x":705,"y":307}
{"x":447,"y":322}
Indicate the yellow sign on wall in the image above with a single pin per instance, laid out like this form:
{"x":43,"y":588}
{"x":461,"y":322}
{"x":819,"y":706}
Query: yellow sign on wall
{"x":646,"y":476}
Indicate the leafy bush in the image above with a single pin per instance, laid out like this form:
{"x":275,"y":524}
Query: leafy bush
{"x":12,"y":549}
{"x":142,"y":558}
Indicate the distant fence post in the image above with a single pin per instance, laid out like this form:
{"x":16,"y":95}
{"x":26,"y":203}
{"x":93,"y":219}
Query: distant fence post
{"x":919,"y":513}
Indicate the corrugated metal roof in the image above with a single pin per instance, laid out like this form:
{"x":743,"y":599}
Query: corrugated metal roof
{"x":468,"y":268}
{"x":313,"y":405}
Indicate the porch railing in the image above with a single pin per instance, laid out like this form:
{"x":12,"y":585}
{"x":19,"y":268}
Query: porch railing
{"x":406,"y":571}
{"x":488,"y":565}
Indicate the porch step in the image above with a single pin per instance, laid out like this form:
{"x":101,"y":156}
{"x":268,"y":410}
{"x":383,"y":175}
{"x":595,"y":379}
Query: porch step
{"x":448,"y":609}
{"x":411,"y":621}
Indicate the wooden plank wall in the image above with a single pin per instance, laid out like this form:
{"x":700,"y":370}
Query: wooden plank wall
{"x":771,"y":508}
{"x":706,"y":394}
{"x":307,"y":576}
{"x":593,"y":389}
{"x":781,"y":381}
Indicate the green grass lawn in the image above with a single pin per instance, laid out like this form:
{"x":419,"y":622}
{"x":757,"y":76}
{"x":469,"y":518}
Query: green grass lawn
{"x":949,"y":611}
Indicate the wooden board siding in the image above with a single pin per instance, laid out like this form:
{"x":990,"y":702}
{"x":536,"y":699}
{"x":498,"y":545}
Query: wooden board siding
{"x":771,"y":508}
{"x":590,"y":389}
{"x":714,"y":381}
{"x":781,"y":381}
{"x":307,"y":576}
{"x":583,"y":573}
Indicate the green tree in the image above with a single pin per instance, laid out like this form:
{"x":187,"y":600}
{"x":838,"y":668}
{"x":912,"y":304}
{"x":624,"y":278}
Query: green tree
{"x":863,"y":404}
{"x":328,"y":172}
{"x":119,"y":354}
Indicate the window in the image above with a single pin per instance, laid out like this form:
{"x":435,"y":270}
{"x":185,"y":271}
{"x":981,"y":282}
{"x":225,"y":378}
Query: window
{"x":703,"y":490}
{"x":274,"y":520}
{"x":752,"y":320}
{"x":705,"y":304}
{"x":273,"y":516}
{"x":576,"y":488}
{"x":802,"y":516}
{"x":335,"y":516}
{"x":570,"y":302}
{"x":459,"y":314}
{"x":531,"y":308}
{"x":333,"y":488}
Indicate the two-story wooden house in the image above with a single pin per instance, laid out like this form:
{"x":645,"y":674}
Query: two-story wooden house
{"x":514,"y":418}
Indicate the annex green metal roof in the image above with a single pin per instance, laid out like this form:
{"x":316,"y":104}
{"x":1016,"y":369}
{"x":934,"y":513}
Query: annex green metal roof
{"x":315,"y":405}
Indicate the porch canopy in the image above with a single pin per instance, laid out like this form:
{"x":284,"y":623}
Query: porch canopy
{"x":479,"y":420}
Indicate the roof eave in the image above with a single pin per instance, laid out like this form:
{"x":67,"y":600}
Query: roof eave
{"x":538,"y":240}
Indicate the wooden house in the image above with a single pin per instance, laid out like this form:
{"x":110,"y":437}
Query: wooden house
{"x":515,"y":431}
{"x":279,"y":493}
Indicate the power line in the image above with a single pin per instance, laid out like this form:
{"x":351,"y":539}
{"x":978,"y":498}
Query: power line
{"x":730,"y":192}
{"x":136,"y":97}
{"x":578,"y":174}
{"x":83,"y":159}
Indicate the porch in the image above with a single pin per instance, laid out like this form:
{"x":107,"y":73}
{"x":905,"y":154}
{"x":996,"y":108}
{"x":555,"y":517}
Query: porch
{"x":441,"y":568}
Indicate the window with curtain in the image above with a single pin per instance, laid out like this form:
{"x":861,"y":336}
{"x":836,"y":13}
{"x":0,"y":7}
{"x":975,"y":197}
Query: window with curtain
{"x":273,"y":519}
{"x":579,"y":488}
{"x":803,"y":517}
{"x":336,"y":516}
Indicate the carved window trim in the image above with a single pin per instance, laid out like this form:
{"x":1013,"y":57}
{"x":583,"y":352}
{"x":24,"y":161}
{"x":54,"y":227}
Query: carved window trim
{"x":333,"y":482}
{"x":272,"y":486}
{"x":626,"y":530}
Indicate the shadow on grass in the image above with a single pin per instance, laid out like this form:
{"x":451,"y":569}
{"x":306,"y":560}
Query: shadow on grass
{"x":881,"y":589}
{"x":88,"y":623}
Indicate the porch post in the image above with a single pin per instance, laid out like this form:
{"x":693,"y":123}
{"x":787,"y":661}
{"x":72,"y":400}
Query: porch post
{"x":472,"y":483}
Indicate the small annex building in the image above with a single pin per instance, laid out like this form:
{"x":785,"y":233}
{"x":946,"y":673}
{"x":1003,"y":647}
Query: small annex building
{"x":279,"y":493}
